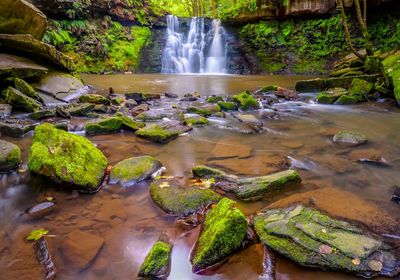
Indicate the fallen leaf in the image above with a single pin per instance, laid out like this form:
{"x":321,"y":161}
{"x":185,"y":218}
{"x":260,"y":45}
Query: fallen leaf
{"x":37,"y":234}
{"x":356,"y":261}
{"x":164,"y":185}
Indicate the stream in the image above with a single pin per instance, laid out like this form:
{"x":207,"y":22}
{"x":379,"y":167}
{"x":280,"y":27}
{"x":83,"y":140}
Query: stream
{"x":299,"y":135}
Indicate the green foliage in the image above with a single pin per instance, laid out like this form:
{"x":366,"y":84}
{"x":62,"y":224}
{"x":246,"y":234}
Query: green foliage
{"x":35,"y":235}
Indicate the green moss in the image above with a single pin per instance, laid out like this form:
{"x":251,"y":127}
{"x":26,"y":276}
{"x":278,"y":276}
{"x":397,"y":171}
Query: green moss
{"x":214,"y":99}
{"x":103,"y":126}
{"x":325,"y":98}
{"x":227,"y":106}
{"x":66,"y":158}
{"x":26,"y":88}
{"x":269,"y":88}
{"x":157,"y":260}
{"x":348,"y":100}
{"x":360,"y":88}
{"x":373,"y":65}
{"x":202,"y":171}
{"x":391,"y":67}
{"x":21,"y":101}
{"x":245,"y":101}
{"x":223,"y":232}
{"x":94,"y":98}
{"x":204,"y":109}
{"x":198,"y":120}
{"x":157,"y":134}
{"x":181,"y":201}
{"x":10,"y":156}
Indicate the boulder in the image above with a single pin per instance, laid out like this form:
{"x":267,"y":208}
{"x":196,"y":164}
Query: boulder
{"x":245,"y":101}
{"x":314,"y":239}
{"x":331,"y":95}
{"x":163,"y":132}
{"x":66,"y":158}
{"x":222,"y":234}
{"x":203,"y":109}
{"x":26,"y":89}
{"x":157,"y":263}
{"x":16,"y":66}
{"x":10,"y":156}
{"x":180,"y":200}
{"x":21,"y":17}
{"x":19,"y":100}
{"x":349,"y":137}
{"x":15,"y":128}
{"x":25,"y":43}
{"x":196,"y":120}
{"x":391,"y":66}
{"x":134,"y":170}
{"x":79,"y":249}
{"x":227,"y":106}
{"x":94,"y":98}
{"x":360,"y":87}
{"x":349,"y":99}
{"x":79,"y":109}
{"x":112,"y":125}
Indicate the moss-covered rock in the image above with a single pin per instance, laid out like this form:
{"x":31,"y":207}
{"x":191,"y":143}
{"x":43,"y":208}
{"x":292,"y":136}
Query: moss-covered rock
{"x":68,"y":159}
{"x":391,"y":66}
{"x":94,"y":98}
{"x":21,"y":67}
{"x":10,"y":156}
{"x":26,"y":89}
{"x":196,"y":120}
{"x":349,"y":137}
{"x":21,"y":101}
{"x":157,"y":134}
{"x":134,"y":170}
{"x":360,"y":87}
{"x":179,"y":200}
{"x":331,"y":95}
{"x":227,"y":106}
{"x":202,"y":171}
{"x":215,"y":99}
{"x":268,"y":89}
{"x":157,"y":263}
{"x":222,"y":234}
{"x":81,"y":110}
{"x":42,"y":114}
{"x":203,"y":109}
{"x":112,"y":125}
{"x":373,"y":64}
{"x":314,"y":239}
{"x":245,"y":101}
{"x":348,"y":100}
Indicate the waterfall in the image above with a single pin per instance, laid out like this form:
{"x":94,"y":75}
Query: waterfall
{"x":196,"y":51}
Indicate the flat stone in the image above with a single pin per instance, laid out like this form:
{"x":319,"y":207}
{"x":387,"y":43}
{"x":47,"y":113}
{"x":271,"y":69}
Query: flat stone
{"x":349,"y":137}
{"x":251,"y":121}
{"x":369,"y":156}
{"x":15,"y":128}
{"x":16,"y":66}
{"x":79,"y":249}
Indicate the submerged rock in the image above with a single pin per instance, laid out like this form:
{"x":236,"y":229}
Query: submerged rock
{"x":10,"y":156}
{"x":15,"y":128}
{"x":349,"y":137}
{"x":313,"y":239}
{"x":133,"y":170}
{"x":245,"y":101}
{"x":41,"y":210}
{"x":157,"y":263}
{"x":19,"y":100}
{"x":179,"y":200}
{"x":369,"y":157}
{"x":223,"y":232}
{"x":163,"y":132}
{"x":251,"y":121}
{"x":202,"y":171}
{"x":66,"y":158}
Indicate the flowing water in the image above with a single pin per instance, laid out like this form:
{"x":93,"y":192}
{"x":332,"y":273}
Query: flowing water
{"x":197,"y":51}
{"x":298,"y":133}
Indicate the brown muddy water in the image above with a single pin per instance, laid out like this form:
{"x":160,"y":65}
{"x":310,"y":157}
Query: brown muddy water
{"x":128,"y":220}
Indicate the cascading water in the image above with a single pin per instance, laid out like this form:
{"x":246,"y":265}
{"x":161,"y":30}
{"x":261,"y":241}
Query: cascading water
{"x":197,"y":52}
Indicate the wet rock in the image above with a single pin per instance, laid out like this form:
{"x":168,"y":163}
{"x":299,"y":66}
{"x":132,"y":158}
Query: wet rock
{"x":130,"y":103}
{"x":21,"y":17}
{"x":225,"y":149}
{"x":42,"y":253}
{"x":112,"y":125}
{"x":66,"y":158}
{"x":196,"y":121}
{"x":170,"y":95}
{"x":140,"y":97}
{"x":79,"y":249}
{"x":180,"y":200}
{"x":26,"y":89}
{"x":313,"y":239}
{"x":227,"y":106}
{"x":140,"y":109}
{"x":215,"y":99}
{"x":42,"y":114}
{"x":251,"y":121}
{"x":163,"y":132}
{"x":391,"y":68}
{"x":5,"y":110}
{"x":314,"y":85}
{"x":81,"y":109}
{"x":223,"y":232}
{"x":133,"y":170}
{"x":203,"y":109}
{"x":157,"y":262}
{"x":286,"y":93}
{"x":360,"y":87}
{"x":331,"y":95}
{"x":15,"y":128}
{"x":189,"y":97}
{"x":117,"y":100}
{"x":202,"y":171}
{"x":245,"y":101}
{"x":18,"y":100}
{"x":15,"y":66}
{"x":41,"y":210}
{"x":396,"y":195}
{"x":10,"y":156}
{"x":349,"y":137}
{"x":369,"y":156}
{"x":348,"y":100}
{"x":154,"y":115}
{"x":94,"y":98}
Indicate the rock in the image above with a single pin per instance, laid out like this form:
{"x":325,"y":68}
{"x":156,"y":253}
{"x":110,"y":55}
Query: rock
{"x":225,"y":149}
{"x":286,"y":93}
{"x":331,"y":95}
{"x":349,"y":137}
{"x":26,"y":89}
{"x":245,"y":101}
{"x":130,"y":103}
{"x":79,"y":249}
{"x":41,"y":210}
{"x":18,"y":100}
{"x":189,"y":97}
{"x":253,"y":189}
{"x":180,"y":200}
{"x":47,"y":113}
{"x":15,"y":128}
{"x":117,"y":100}
{"x":140,"y":97}
{"x":26,"y":43}
{"x":314,"y":85}
{"x":112,"y":125}
{"x":369,"y":156}
{"x":215,"y":99}
{"x":94,"y":98}
{"x":373,"y":65}
{"x":157,"y":262}
{"x":5,"y":110}
{"x":202,"y":171}
{"x":391,"y":66}
{"x":348,"y":100}
{"x":396,"y":195}
{"x":153,"y":115}
{"x":306,"y":235}
{"x":16,"y":66}
{"x":81,"y":109}
{"x":43,"y":255}
{"x":251,"y":121}
{"x":140,"y":109}
{"x":10,"y":156}
{"x":267,"y":89}
{"x":163,"y":132}
{"x":227,"y":106}
{"x":134,"y":170}
{"x":171,"y":95}
{"x":223,"y":232}
{"x":67,"y":159}
{"x":203,"y":109}
{"x":360,"y":88}
{"x":196,"y":120}
{"x":21,"y":17}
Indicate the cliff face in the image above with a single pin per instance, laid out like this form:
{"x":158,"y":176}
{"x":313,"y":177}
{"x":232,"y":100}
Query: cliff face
{"x":299,"y":7}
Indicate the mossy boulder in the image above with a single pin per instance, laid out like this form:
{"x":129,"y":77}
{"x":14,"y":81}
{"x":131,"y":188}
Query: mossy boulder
{"x":66,"y":158}
{"x":112,"y":125}
{"x":19,"y":100}
{"x":360,"y":87}
{"x":157,"y":263}
{"x":26,"y":89}
{"x":245,"y":101}
{"x":349,"y":137}
{"x":179,"y":200}
{"x":391,"y":66}
{"x":134,"y":170}
{"x":203,"y":171}
{"x":214,"y":99}
{"x":227,"y":106}
{"x":203,"y":109}
{"x":196,"y":120}
{"x":42,"y":114}
{"x":94,"y":98}
{"x":10,"y":156}
{"x":314,"y":239}
{"x":349,"y":100}
{"x":81,"y":109}
{"x":331,"y":95}
{"x":268,"y":89}
{"x":163,"y":132}
{"x":21,"y":67}
{"x":223,"y":232}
